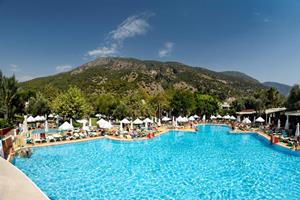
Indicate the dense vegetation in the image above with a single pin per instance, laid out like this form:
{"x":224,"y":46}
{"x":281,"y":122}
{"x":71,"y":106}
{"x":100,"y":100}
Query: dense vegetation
{"x":82,"y":100}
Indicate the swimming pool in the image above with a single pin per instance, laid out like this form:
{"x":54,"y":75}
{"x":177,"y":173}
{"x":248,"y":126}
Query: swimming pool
{"x":211,"y":164}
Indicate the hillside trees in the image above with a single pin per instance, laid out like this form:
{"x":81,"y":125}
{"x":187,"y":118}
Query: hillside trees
{"x":293,"y":100}
{"x":71,"y":104}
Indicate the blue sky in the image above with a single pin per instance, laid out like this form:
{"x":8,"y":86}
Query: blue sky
{"x":258,"y":37}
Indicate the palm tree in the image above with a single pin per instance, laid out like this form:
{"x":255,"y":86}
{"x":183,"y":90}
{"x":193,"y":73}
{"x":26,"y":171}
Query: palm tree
{"x":8,"y":91}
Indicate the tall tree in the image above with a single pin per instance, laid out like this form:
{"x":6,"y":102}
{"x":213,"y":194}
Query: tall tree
{"x":8,"y":93}
{"x":206,"y":104}
{"x":293,"y":100}
{"x":183,"y":103}
{"x":38,"y":105}
{"x":71,"y":104}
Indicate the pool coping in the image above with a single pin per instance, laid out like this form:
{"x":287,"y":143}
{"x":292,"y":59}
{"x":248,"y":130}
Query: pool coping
{"x":17,"y":185}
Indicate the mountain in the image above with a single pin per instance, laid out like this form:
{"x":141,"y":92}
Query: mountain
{"x":121,"y":76}
{"x":241,"y":76}
{"x":282,"y":88}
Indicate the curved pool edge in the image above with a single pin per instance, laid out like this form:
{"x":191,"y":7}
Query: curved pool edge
{"x":263,"y":138}
{"x":15,"y":184}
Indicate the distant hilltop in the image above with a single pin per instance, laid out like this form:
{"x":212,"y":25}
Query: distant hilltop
{"x":123,"y":75}
{"x":282,"y":88}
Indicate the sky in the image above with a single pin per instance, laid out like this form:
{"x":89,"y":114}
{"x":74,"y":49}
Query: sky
{"x":259,"y":37}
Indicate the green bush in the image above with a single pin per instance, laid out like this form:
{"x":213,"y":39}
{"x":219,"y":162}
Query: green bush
{"x":4,"y":123}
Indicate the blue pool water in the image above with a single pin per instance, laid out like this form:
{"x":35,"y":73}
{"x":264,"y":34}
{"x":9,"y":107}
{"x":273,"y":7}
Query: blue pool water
{"x":211,"y":164}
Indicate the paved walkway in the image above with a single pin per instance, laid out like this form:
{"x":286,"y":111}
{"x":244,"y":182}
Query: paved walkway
{"x":14,"y":185}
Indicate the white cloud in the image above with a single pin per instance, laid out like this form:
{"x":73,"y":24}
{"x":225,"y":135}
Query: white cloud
{"x":166,"y":50}
{"x":14,"y":68}
{"x":63,"y":68}
{"x":129,"y":28}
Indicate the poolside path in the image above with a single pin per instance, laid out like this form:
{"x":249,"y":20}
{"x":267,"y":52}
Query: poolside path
{"x":14,"y":185}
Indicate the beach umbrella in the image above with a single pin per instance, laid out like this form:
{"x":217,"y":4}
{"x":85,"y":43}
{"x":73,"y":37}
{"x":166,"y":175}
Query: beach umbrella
{"x":260,"y":120}
{"x":71,"y":122}
{"x":105,"y":125}
{"x":232,"y":118}
{"x":82,"y":121}
{"x":179,"y":119}
{"x":125,"y":121}
{"x":191,"y":118}
{"x":213,"y":117}
{"x":286,"y":127}
{"x":90,"y":122}
{"x":173,"y":121}
{"x":147,"y":120}
{"x":196,"y":116}
{"x":278,"y":124}
{"x":297,"y":130}
{"x":30,"y":119}
{"x":51,"y":116}
{"x":165,"y":119}
{"x":137,"y":121}
{"x":46,"y":126}
{"x":226,"y":117}
{"x":98,"y":115}
{"x":219,"y":117}
{"x":204,"y":118}
{"x":66,"y":126}
{"x":246,"y":121}
{"x":100,"y":121}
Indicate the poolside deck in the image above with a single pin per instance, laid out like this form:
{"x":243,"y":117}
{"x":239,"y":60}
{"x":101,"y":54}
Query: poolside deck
{"x":15,"y":185}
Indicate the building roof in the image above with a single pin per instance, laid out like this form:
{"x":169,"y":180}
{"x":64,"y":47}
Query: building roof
{"x":274,"y":110}
{"x":293,"y":113}
{"x":246,"y":112}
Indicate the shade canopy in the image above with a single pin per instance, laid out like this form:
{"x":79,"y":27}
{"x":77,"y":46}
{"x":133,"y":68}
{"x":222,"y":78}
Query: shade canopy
{"x":232,"y":117}
{"x":165,"y":119}
{"x":147,"y":120}
{"x":182,"y":119}
{"x":30,"y":119}
{"x":219,"y":116}
{"x":246,"y":121}
{"x":213,"y":117}
{"x":125,"y":121}
{"x":191,"y":118}
{"x":51,"y":116}
{"x":226,"y":117}
{"x":105,"y":125}
{"x":66,"y":126}
{"x":196,"y":116}
{"x":260,"y":120}
{"x":82,"y":121}
{"x":138,"y":121}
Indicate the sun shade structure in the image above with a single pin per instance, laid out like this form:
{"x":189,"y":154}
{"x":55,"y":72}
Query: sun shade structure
{"x":105,"y":125}
{"x":226,"y":117}
{"x":191,"y":118}
{"x":138,"y":121}
{"x":125,"y":121}
{"x":51,"y":116}
{"x":147,"y":120}
{"x":82,"y":121}
{"x":232,"y":118}
{"x":196,"y":116}
{"x":213,"y":117}
{"x":260,"y":120}
{"x":30,"y":119}
{"x":66,"y":126}
{"x":219,"y":116}
{"x":246,"y":121}
{"x":165,"y":119}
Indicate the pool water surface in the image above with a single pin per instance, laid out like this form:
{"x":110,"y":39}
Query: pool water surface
{"x":212,"y":164}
